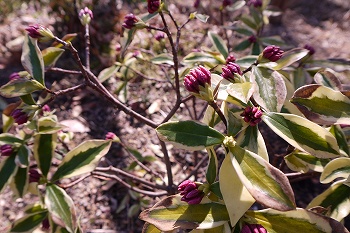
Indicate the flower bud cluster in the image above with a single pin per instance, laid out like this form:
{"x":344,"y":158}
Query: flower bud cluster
{"x":159,"y":36}
{"x":310,"y":48}
{"x":229,"y":71}
{"x":153,"y":6}
{"x":252,"y":39}
{"x":130,"y":20}
{"x":190,"y":193}
{"x":252,"y":115}
{"x":272,"y":53}
{"x":34,"y":176}
{"x":40,"y":32}
{"x":230,"y":58}
{"x":19,"y":116}
{"x":253,"y":228}
{"x":255,"y":3}
{"x":6,"y":150}
{"x":85,"y":16}
{"x":196,"y":78}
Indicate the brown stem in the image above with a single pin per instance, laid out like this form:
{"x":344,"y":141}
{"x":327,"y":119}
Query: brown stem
{"x":118,"y":171}
{"x":167,"y":162}
{"x":250,"y":67}
{"x":87,"y":47}
{"x":214,"y":105}
{"x":64,"y":70}
{"x":114,"y":177}
{"x":71,"y":184}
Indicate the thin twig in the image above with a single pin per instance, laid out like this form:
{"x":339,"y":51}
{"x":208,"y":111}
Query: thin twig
{"x":71,"y":184}
{"x":195,"y":169}
{"x":214,"y":105}
{"x":87,"y":47}
{"x":56,"y":69}
{"x":168,"y":167}
{"x":130,"y":176}
{"x":114,"y":177}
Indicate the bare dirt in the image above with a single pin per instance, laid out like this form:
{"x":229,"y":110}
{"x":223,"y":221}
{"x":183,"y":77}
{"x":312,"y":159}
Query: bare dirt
{"x":323,"y":24}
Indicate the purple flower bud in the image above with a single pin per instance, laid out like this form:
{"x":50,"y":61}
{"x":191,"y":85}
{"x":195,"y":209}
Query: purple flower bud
{"x":273,"y":53}
{"x":85,"y":16}
{"x":197,"y":77}
{"x":45,"y":224}
{"x":229,"y":70}
{"x":310,"y":48}
{"x":153,"y":6}
{"x":190,"y":192}
{"x":255,"y":3}
{"x":34,"y":176}
{"x":39,"y":32}
{"x":252,"y":39}
{"x":159,"y":36}
{"x":46,"y":108}
{"x":19,"y":116}
{"x":14,"y":76}
{"x":253,"y":228}
{"x":6,"y":150}
{"x":110,"y":136}
{"x":230,"y":58}
{"x":86,"y":11}
{"x":129,"y":21}
{"x":196,"y":3}
{"x":252,"y":115}
{"x":226,"y":3}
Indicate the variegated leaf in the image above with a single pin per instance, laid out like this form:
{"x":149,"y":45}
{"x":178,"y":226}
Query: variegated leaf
{"x":218,"y":43}
{"x":20,"y":87}
{"x":302,"y":162}
{"x":337,"y":168}
{"x":8,"y":169}
{"x":44,"y":151}
{"x":268,"y":185}
{"x":236,"y":197}
{"x":303,"y":134}
{"x":322,"y":105}
{"x":189,"y":135}
{"x":270,"y":89}
{"x":32,"y":59}
{"x":82,"y":159}
{"x":51,"y":55}
{"x":29,"y":222}
{"x":172,"y":213}
{"x":336,"y":198}
{"x":290,"y":57}
{"x":299,"y":220}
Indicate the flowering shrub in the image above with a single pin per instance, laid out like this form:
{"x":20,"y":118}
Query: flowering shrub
{"x":240,"y":93}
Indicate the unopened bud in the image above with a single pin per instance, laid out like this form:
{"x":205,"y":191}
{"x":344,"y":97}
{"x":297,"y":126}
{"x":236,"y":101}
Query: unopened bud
{"x":159,"y":36}
{"x":6,"y":150}
{"x":310,"y":48}
{"x":272,"y":53}
{"x":40,"y":32}
{"x":14,"y":76}
{"x":190,"y":192}
{"x":229,"y":71}
{"x":230,"y":58}
{"x":131,"y":21}
{"x":252,"y":39}
{"x":255,"y":3}
{"x":85,"y":16}
{"x":19,"y":116}
{"x":253,"y":228}
{"x":153,"y":6}
{"x":197,"y":77}
{"x":34,"y":176}
{"x":252,"y":115}
{"x":226,"y":3}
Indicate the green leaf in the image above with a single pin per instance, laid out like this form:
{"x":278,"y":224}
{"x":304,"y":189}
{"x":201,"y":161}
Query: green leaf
{"x":256,"y":49}
{"x":235,"y":6}
{"x":61,"y":207}
{"x":22,"y":157}
{"x":251,"y":139}
{"x":164,"y":58}
{"x":337,"y":132}
{"x":218,"y":43}
{"x":336,"y":198}
{"x":334,"y":64}
{"x":236,"y":197}
{"x":28,"y":99}
{"x":337,"y":168}
{"x":200,"y":57}
{"x":302,"y":162}
{"x":82,"y":159}
{"x":48,"y":125}
{"x":242,"y":46}
{"x":107,"y":73}
{"x":19,"y":184}
{"x":44,"y":151}
{"x":8,"y":169}
{"x":202,"y":17}
{"x":303,"y":134}
{"x":32,"y":59}
{"x":322,"y":105}
{"x":234,"y":122}
{"x":249,"y":21}
{"x":8,"y":138}
{"x":299,"y":220}
{"x":273,"y":40}
{"x":149,"y":228}
{"x":189,"y":135}
{"x":241,"y":91}
{"x":246,"y":61}
{"x":212,"y":169}
{"x":268,"y":185}
{"x":28,"y":222}
{"x":328,"y":78}
{"x":20,"y":87}
{"x":51,"y":55}
{"x":171,"y":213}
{"x":290,"y":57}
{"x":271,"y":90}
